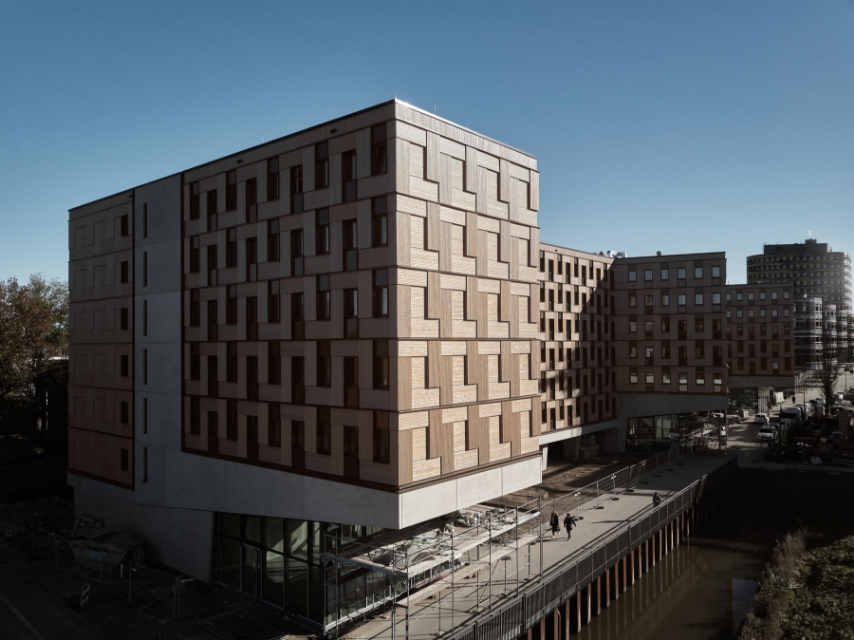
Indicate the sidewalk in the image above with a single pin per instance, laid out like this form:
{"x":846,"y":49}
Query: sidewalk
{"x":439,"y":608}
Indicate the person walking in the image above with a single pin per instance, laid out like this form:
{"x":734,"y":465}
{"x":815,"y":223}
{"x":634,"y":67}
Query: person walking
{"x":554,"y":522}
{"x":656,"y":500}
{"x":569,"y":523}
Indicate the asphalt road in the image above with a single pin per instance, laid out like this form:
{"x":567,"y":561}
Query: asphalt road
{"x":30,"y":608}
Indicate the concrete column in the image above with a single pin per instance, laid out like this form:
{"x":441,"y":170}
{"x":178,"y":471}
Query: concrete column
{"x":597,"y":594}
{"x":606,"y":596}
{"x":575,"y":613}
{"x":632,"y":565}
{"x":566,"y":627}
{"x":556,"y":615}
{"x":647,"y":548}
{"x":531,"y":633}
{"x":652,"y":549}
{"x":624,"y":583}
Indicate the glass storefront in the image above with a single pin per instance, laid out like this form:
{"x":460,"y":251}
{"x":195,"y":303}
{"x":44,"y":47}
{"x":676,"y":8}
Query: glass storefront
{"x":648,"y":433}
{"x":285,"y":563}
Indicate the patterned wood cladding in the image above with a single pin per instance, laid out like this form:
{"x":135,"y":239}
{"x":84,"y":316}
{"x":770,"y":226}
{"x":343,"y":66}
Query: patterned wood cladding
{"x":460,"y":334}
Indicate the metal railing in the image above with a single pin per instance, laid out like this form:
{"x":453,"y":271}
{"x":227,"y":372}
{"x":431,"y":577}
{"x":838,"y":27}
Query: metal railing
{"x":510,"y":619}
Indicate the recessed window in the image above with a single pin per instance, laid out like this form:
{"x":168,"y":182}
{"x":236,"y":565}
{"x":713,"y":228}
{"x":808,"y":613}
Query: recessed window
{"x":680,"y":274}
{"x":296,"y":189}
{"x":379,"y":150}
{"x":274,"y":302}
{"x":124,"y":321}
{"x":145,"y":268}
{"x":633,"y":274}
{"x":124,"y":272}
{"x":381,"y":364}
{"x":379,"y":222}
{"x":324,"y":298}
{"x":273,"y":178}
{"x":273,"y":240}
{"x":324,"y":431}
{"x":125,"y":412}
{"x":231,"y":190}
{"x":124,"y":366}
{"x":716,"y":272}
{"x":321,"y":232}
{"x":124,"y":225}
{"x":321,"y":165}
{"x":381,"y":437}
{"x":194,"y":201}
{"x":348,"y":176}
{"x":324,"y":363}
{"x":380,"y":293}
{"x":274,"y":426}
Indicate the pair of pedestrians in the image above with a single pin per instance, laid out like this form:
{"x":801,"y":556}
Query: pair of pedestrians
{"x":568,"y":522}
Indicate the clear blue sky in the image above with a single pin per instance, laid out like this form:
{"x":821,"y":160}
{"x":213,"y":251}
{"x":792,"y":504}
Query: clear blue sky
{"x":674,"y":126}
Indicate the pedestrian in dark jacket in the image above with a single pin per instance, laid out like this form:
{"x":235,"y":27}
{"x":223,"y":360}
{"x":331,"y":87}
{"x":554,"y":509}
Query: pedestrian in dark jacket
{"x":656,"y":499}
{"x":554,"y":522}
{"x":569,"y":523}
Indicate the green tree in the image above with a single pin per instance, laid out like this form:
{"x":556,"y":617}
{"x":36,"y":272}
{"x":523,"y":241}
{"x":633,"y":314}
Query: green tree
{"x":33,"y":328}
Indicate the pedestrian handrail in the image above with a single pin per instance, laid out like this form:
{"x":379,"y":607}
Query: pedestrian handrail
{"x":511,"y":618}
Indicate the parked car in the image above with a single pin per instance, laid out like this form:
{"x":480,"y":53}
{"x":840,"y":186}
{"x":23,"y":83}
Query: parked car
{"x":760,"y":418}
{"x":767,"y":434}
{"x":733,"y":419}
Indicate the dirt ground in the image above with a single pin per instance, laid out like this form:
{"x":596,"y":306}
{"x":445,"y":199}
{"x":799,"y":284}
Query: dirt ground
{"x":561,"y":477}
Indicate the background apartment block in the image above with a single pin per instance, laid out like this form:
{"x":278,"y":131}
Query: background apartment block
{"x":815,"y":270}
{"x":761,"y":342}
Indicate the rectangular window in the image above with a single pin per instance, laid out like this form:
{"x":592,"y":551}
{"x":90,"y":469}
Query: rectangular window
{"x":381,"y":364}
{"x":144,"y":219}
{"x":274,"y":363}
{"x":716,"y":298}
{"x":123,"y":319}
{"x":274,"y":302}
{"x":683,"y":381}
{"x":698,"y":299}
{"x":379,"y":222}
{"x":231,"y":190}
{"x":633,"y":274}
{"x":324,"y":363}
{"x":698,"y":273}
{"x":379,"y":150}
{"x":145,"y":415}
{"x":145,"y":366}
{"x":321,"y":165}
{"x":680,"y":274}
{"x":665,"y":273}
{"x":324,"y":298}
{"x":348,"y":176}
{"x":195,"y":362}
{"x":145,"y":464}
{"x":633,"y":376}
{"x":231,"y":362}
{"x":194,"y":201}
{"x":665,"y":376}
{"x":380,"y":293}
{"x":145,"y":268}
{"x":212,"y":208}
{"x":633,"y":300}
{"x":324,"y":431}
{"x":231,"y":249}
{"x":351,"y":243}
{"x":273,"y":240}
{"x":145,"y":317}
{"x":125,"y":460}
{"x":274,"y":426}
{"x":351,"y":303}
{"x":231,"y":305}
{"x":273,"y":178}
{"x":124,"y":226}
{"x":250,"y":197}
{"x":647,"y":275}
{"x":296,"y":189}
{"x":231,"y":420}
{"x":716,"y":272}
{"x":321,"y":232}
{"x":125,"y":413}
{"x":381,"y":437}
{"x":681,"y":299}
{"x":195,"y":264}
{"x":124,"y":273}
{"x":296,"y":252}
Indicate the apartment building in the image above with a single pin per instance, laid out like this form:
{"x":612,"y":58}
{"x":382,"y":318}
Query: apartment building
{"x":339,"y":326}
{"x":760,"y":343}
{"x":815,"y":270}
{"x":356,"y":329}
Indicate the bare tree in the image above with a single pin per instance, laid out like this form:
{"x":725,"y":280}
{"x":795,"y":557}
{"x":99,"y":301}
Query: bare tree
{"x":826,"y":376}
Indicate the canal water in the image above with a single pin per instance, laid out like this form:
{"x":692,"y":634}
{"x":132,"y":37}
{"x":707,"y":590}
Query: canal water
{"x":701,"y":590}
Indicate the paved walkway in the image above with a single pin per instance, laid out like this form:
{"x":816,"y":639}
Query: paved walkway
{"x":441,"y":607}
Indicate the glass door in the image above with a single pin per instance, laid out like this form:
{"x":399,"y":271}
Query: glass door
{"x":251,"y":574}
